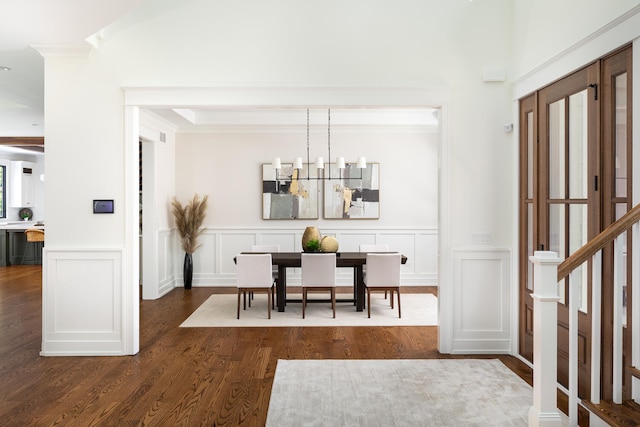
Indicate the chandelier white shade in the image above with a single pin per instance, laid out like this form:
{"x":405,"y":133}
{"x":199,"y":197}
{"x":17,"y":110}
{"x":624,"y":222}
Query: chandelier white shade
{"x":276,"y":163}
{"x":319,"y":163}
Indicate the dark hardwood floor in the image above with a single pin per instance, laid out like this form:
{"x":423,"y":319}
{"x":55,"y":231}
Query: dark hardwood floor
{"x":180,"y":377}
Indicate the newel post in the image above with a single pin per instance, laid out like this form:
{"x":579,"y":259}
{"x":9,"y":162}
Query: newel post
{"x":544,"y":411}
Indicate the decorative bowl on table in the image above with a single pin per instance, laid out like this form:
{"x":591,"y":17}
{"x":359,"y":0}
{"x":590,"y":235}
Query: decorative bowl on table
{"x":329,"y":244}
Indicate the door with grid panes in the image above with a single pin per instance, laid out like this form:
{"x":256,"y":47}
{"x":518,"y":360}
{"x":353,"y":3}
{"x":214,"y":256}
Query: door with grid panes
{"x":574,"y":181}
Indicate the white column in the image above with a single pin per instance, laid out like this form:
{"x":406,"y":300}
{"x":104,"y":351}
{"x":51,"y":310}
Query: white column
{"x":544,"y":411}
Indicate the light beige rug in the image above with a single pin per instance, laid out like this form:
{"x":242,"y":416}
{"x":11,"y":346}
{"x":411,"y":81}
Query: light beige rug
{"x":219,"y":310}
{"x":399,"y":393}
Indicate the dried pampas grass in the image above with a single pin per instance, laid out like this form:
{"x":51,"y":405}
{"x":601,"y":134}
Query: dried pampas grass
{"x":189,"y":219}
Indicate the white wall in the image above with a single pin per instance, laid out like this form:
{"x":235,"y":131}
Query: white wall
{"x":227,"y":167}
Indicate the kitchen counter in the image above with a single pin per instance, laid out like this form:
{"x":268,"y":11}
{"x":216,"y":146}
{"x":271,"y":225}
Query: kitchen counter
{"x":14,"y":248}
{"x":19,"y":225}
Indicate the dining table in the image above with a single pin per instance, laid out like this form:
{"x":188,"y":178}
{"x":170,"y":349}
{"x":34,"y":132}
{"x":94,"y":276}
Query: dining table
{"x":355,"y":260}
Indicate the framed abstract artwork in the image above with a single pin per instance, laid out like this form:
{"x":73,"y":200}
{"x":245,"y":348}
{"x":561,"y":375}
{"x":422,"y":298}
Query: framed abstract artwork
{"x":289,"y":196}
{"x":352,"y":194}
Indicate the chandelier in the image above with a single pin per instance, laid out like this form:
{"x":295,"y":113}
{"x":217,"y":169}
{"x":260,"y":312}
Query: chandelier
{"x":319,"y":163}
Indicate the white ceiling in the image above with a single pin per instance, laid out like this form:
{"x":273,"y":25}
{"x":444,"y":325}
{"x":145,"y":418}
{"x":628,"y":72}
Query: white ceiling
{"x":24,"y":24}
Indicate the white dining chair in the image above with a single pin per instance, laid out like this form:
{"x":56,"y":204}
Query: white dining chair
{"x":383,"y":274}
{"x":254,"y":275}
{"x":377,"y":247}
{"x":318,"y":274}
{"x":274,"y":269}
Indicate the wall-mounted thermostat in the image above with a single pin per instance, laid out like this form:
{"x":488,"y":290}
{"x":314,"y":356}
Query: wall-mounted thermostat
{"x":102,"y":206}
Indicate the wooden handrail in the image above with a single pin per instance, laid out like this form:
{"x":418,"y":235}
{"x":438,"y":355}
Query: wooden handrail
{"x":600,"y":241}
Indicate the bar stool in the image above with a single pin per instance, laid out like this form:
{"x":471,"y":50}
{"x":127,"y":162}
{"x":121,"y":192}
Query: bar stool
{"x":35,"y":238}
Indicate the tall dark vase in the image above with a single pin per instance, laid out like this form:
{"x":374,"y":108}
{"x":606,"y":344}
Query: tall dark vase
{"x":187,"y":271}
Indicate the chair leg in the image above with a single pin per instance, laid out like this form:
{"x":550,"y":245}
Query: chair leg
{"x":333,"y":301}
{"x":238,"y":304}
{"x":391,"y":295}
{"x":368,"y":302}
{"x":26,"y":248}
{"x":304,"y":300}
{"x":355,"y":289}
{"x":273,"y":300}
{"x":269,"y":293}
{"x":399,"y":313}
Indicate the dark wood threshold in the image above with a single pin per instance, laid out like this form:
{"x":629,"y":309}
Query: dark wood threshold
{"x":626,"y":414}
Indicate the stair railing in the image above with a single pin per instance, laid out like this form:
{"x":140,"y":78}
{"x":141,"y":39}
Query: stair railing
{"x":545,"y":298}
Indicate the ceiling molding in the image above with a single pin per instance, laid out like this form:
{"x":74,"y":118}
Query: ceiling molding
{"x":287,"y":97}
{"x":63,"y":51}
{"x":23,"y":143}
{"x":299,"y":129}
{"x":22,"y":140}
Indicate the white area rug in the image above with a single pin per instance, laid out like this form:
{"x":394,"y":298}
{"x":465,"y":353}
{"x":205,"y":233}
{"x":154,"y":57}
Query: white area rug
{"x":219,"y":310}
{"x":403,"y":393}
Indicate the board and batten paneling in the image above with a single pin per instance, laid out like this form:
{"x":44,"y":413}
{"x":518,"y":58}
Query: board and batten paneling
{"x":481,"y":301}
{"x":93,"y":277}
{"x":214,"y":266}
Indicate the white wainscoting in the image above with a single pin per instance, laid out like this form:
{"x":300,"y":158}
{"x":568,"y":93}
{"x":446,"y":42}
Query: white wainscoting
{"x":83,"y":300}
{"x":481,"y":301}
{"x":166,"y":270}
{"x":214,"y":266}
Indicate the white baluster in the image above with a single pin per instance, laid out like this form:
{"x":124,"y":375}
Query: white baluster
{"x":596,"y":328}
{"x":574,"y":304}
{"x":635,"y":308}
{"x":617,"y":320}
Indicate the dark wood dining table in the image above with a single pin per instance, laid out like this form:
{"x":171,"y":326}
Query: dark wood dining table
{"x":355,"y":260}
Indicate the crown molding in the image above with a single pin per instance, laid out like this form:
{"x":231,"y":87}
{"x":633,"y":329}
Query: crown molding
{"x":292,"y":129}
{"x":617,"y":33}
{"x":63,"y":51}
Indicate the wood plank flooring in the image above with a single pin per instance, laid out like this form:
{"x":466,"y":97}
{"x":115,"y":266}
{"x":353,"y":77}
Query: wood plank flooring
{"x":180,"y":377}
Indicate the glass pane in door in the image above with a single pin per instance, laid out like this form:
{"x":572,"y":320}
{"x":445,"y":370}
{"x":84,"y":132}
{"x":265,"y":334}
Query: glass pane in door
{"x":620,"y":171}
{"x":530,"y":148}
{"x":577,"y":238}
{"x":578,"y":145}
{"x":557,"y":150}
{"x":557,"y":243}
{"x":621,"y":134}
{"x":529,"y":246}
{"x":620,"y":262}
